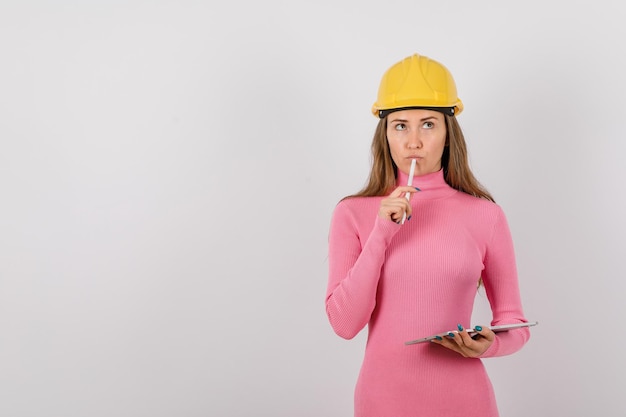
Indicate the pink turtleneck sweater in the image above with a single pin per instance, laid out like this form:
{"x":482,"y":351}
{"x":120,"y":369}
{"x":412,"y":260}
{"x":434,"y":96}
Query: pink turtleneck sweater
{"x":416,"y":279}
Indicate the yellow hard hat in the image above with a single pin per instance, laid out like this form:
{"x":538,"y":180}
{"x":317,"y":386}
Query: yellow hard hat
{"x":417,"y":82}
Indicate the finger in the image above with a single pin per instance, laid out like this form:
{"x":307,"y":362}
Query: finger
{"x":485,"y":332}
{"x":460,"y":337}
{"x":402,"y":190}
{"x":462,"y":343}
{"x":477,"y":347}
{"x":474,"y":346}
{"x":407,"y":210}
{"x":453,"y":342}
{"x":394,"y":208}
{"x":454,"y":338}
{"x":402,"y":217}
{"x":468,"y":343}
{"x":393,"y":212}
{"x":467,"y":340}
{"x":446,"y":340}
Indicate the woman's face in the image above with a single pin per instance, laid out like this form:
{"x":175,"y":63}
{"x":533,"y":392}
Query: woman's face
{"x":416,"y":134}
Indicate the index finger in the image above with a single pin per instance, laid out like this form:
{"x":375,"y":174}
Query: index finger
{"x":402,"y":190}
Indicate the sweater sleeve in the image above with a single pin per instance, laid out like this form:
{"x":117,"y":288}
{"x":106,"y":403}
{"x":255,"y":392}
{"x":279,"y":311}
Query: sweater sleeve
{"x":502,"y":289}
{"x":355,"y":263}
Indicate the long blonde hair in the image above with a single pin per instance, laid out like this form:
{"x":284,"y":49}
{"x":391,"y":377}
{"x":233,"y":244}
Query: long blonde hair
{"x":455,"y":164}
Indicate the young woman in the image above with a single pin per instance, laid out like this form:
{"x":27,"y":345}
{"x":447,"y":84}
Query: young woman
{"x":406,"y":261}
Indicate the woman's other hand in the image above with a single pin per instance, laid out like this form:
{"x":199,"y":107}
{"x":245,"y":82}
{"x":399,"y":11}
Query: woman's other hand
{"x":466,"y":345}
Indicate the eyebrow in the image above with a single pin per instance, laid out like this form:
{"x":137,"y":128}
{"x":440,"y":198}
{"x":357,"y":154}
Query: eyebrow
{"x":405,"y":120}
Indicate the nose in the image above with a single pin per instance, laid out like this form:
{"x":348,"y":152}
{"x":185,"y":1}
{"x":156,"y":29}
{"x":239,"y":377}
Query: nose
{"x":414,"y":140}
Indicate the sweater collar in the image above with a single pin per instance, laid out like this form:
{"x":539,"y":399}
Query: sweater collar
{"x":431,"y":185}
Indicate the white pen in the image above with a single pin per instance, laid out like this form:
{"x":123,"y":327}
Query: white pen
{"x":410,"y":183}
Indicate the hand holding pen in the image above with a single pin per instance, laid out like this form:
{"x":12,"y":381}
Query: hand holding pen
{"x":396,"y":207}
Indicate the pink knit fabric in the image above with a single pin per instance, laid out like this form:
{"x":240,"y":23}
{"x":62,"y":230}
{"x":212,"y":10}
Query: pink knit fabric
{"x":413,"y":280}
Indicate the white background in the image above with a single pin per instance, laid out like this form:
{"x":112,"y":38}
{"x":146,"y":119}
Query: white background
{"x":168,"y":170}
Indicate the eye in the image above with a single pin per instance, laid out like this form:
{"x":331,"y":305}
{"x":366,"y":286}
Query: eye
{"x":428,"y":125}
{"x":399,"y":126}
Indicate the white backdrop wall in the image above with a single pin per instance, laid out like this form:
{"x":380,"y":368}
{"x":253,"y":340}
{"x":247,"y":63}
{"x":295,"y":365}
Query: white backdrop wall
{"x":168,"y":170}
